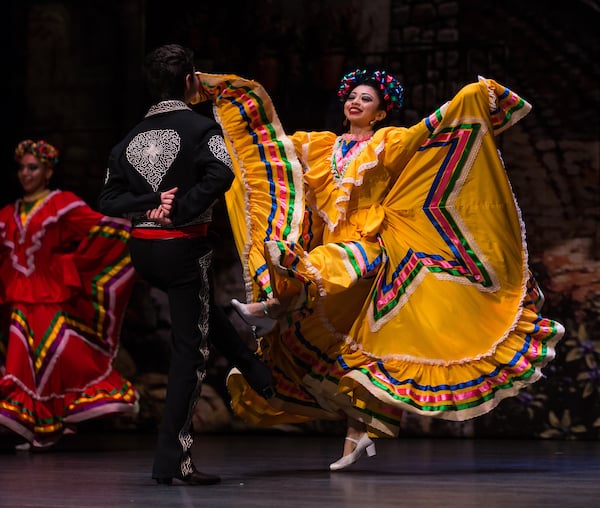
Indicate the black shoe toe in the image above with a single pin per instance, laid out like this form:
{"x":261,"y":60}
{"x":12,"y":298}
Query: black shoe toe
{"x":198,"y":478}
{"x":194,"y":478}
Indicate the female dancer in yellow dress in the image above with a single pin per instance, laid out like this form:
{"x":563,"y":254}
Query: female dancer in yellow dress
{"x":386,"y":268}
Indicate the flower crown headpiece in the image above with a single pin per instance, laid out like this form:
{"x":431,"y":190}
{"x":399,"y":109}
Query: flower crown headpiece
{"x":391,"y":90}
{"x":41,"y":150}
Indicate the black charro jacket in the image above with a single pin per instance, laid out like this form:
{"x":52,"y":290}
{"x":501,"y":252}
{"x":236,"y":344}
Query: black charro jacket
{"x":172,"y":146}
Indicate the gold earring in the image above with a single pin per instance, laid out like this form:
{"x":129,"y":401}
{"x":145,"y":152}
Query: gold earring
{"x":372,"y":122}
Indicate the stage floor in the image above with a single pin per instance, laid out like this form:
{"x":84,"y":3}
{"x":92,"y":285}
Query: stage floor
{"x":288,"y":471}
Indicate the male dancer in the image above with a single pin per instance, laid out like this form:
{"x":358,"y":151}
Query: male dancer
{"x":165,"y":175}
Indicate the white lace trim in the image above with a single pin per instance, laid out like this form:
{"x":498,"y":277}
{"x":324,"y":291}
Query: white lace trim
{"x":166,"y":107}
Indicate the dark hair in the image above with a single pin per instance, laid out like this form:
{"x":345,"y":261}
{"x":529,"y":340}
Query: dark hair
{"x":165,"y":70}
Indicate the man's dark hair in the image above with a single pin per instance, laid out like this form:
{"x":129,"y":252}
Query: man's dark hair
{"x":165,"y":70}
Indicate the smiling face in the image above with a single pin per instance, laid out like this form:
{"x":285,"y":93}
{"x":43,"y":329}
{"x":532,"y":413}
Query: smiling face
{"x":33,"y":175}
{"x":362,"y":106}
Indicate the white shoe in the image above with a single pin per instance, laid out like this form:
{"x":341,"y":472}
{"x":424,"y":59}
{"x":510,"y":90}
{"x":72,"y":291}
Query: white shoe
{"x":363,"y":444}
{"x":262,"y":325}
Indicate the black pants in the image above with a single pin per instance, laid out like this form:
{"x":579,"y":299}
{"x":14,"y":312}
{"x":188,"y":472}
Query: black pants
{"x":181,"y":268}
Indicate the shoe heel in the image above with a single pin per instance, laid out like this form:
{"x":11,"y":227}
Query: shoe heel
{"x":371,"y":450}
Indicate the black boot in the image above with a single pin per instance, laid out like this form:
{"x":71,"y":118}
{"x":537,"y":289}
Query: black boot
{"x":256,"y":373}
{"x":226,"y":339}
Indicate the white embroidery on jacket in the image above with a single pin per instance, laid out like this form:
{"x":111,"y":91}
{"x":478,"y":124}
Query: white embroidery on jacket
{"x":152,"y":153}
{"x":216,"y":145}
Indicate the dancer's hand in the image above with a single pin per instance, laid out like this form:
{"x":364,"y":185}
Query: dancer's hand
{"x":159,"y":215}
{"x":166,"y":200}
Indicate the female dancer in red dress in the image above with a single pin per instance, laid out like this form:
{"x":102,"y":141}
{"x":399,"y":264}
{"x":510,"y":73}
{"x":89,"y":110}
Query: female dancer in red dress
{"x":65,"y":277}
